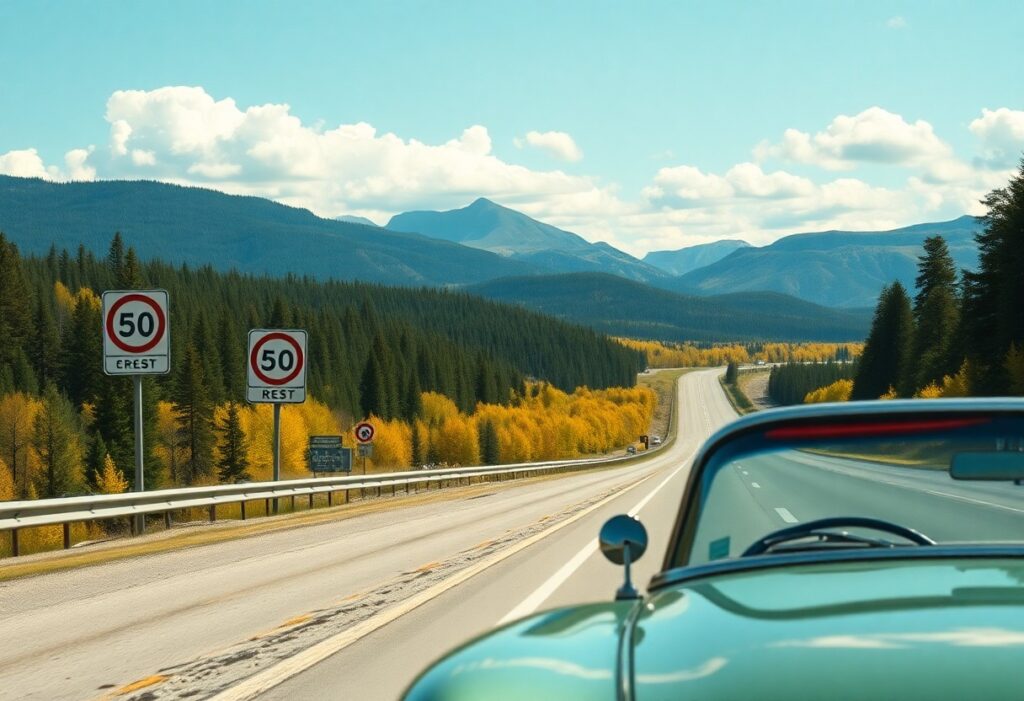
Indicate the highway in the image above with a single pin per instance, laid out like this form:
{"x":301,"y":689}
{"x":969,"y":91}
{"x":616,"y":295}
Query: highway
{"x":372,"y":598}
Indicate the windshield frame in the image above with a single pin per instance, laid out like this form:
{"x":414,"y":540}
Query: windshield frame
{"x":749,"y":430}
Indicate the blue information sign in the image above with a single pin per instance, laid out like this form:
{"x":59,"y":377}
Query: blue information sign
{"x":326,"y":454}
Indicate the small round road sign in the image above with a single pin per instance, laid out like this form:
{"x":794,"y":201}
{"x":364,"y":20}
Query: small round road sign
{"x":277,"y":366}
{"x":135,"y":332}
{"x":364,"y":432}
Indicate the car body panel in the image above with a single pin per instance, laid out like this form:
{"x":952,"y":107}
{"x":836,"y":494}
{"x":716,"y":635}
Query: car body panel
{"x":935,"y":629}
{"x":568,"y":653}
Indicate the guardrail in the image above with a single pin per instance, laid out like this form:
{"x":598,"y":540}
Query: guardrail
{"x":15,"y":515}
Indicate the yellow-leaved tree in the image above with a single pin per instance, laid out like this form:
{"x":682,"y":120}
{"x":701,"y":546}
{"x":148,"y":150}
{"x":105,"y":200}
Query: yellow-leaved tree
{"x":838,"y":391}
{"x":6,"y":482}
{"x":111,"y":480}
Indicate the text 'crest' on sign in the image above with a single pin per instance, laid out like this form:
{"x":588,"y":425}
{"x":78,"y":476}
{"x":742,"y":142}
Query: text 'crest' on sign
{"x":277,"y":366}
{"x":136,"y":332}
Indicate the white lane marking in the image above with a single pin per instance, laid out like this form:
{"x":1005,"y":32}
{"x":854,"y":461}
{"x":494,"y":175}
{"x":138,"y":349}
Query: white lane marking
{"x":261,"y":682}
{"x":785,"y":515}
{"x":545,"y":590}
{"x":755,"y":485}
{"x":972,"y":500}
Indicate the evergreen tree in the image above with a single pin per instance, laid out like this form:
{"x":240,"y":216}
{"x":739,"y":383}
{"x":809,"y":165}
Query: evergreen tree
{"x":993,"y":308}
{"x":82,"y":376}
{"x":732,"y":374}
{"x":94,"y":460}
{"x":15,"y":304}
{"x":233,"y":465}
{"x":490,"y":449}
{"x":936,"y":317}
{"x":115,"y":259}
{"x":885,"y":362}
{"x":194,"y":414}
{"x":935,"y":269}
{"x":46,"y":351}
{"x":56,"y":441}
{"x":417,"y":446}
{"x":129,"y":276}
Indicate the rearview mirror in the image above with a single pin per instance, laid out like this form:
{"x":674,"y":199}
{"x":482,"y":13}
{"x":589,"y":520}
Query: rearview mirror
{"x":993,"y":466}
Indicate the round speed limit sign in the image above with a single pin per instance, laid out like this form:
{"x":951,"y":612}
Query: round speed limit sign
{"x":136,"y":334}
{"x":277,"y":366}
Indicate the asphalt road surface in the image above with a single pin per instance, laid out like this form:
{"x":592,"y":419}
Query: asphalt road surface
{"x":199,"y":621}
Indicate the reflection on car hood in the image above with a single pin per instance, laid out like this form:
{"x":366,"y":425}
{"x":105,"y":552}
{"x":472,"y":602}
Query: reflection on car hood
{"x":933,"y":629}
{"x":566,"y":653}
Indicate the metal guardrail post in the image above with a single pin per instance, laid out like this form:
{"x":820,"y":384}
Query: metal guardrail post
{"x":167,"y":520}
{"x":243,"y":510}
{"x":14,"y":543}
{"x":213,"y":513}
{"x":67,"y":536}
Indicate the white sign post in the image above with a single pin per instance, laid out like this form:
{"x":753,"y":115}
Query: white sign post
{"x":277,"y":375}
{"x":136,"y":342}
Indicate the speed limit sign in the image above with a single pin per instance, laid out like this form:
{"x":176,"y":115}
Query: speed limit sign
{"x":136,"y":332}
{"x":277,"y":366}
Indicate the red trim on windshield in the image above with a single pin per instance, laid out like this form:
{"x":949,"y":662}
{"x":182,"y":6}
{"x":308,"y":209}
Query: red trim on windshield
{"x":860,"y":430}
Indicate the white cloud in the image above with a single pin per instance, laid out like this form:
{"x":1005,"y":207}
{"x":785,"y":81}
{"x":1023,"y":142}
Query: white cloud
{"x":142,"y":157}
{"x":182,"y":134}
{"x":555,"y":143}
{"x":77,"y":167}
{"x":896,"y":22}
{"x":873,"y":136}
{"x":24,"y":163}
{"x":1001,"y":133}
{"x":27,"y":163}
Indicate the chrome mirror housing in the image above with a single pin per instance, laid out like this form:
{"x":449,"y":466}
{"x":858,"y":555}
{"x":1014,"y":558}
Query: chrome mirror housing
{"x":623,"y":540}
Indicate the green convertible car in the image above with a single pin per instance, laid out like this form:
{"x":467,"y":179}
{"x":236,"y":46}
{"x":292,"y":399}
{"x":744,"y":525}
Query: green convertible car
{"x":856,"y":551}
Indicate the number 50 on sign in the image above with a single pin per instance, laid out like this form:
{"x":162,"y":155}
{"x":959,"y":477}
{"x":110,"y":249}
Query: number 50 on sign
{"x":277,"y":366}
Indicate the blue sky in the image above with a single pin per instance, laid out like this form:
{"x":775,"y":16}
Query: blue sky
{"x":654,"y":124}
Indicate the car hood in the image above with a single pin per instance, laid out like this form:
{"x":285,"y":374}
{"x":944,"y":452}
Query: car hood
{"x":926,"y":629}
{"x":933,"y":629}
{"x":568,"y":653}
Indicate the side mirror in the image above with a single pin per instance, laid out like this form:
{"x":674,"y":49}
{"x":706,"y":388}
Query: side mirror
{"x":623,"y":541}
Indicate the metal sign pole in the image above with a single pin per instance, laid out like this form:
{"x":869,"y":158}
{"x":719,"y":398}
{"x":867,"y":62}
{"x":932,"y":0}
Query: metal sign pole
{"x":277,"y":446}
{"x":140,"y":520}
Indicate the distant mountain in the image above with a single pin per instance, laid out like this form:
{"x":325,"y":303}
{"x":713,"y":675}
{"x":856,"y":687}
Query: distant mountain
{"x":692,"y":257}
{"x":623,"y":307}
{"x":489,"y":226}
{"x":353,"y":219}
{"x":205,"y":227}
{"x":834,"y":268}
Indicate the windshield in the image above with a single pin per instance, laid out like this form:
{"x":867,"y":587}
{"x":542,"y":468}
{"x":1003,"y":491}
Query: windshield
{"x":951,"y":480}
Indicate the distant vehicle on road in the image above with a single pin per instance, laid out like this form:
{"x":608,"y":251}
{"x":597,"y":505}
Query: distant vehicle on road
{"x":865,"y":551}
{"x":631,"y":450}
{"x":655,"y":440}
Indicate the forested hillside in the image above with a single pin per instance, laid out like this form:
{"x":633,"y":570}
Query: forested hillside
{"x":197,"y":226}
{"x":372,"y":350}
{"x":626,"y":308}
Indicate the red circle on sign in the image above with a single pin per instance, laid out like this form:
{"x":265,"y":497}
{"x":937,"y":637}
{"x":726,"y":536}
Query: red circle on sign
{"x":364,"y":428}
{"x":254,"y":358}
{"x":160,"y":319}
